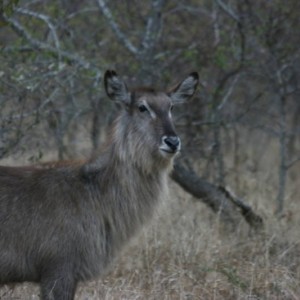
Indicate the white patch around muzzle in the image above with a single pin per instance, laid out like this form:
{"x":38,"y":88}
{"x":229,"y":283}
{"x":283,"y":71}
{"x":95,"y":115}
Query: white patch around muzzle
{"x":170,"y":145}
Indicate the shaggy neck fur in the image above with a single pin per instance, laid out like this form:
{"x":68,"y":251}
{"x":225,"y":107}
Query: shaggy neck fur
{"x":130,"y":182}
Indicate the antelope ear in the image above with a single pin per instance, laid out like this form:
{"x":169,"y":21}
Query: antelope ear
{"x":184,"y":90}
{"x":116,"y":88}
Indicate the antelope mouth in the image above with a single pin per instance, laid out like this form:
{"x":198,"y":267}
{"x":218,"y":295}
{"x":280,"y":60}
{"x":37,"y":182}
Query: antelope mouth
{"x":168,"y":150}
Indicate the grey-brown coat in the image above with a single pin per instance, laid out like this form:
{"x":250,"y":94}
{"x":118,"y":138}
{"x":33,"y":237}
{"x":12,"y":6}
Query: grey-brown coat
{"x":66,"y":222}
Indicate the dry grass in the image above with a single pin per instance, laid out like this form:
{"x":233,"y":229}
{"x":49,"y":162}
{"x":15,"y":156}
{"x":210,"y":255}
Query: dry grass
{"x":186,"y":253}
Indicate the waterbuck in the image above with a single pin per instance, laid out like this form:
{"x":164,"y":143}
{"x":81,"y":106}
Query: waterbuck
{"x":65,"y":223}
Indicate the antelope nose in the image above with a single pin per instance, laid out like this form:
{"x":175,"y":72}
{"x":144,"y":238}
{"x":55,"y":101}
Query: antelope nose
{"x":173,"y":142}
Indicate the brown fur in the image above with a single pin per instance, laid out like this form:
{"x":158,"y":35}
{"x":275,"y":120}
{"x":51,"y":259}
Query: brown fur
{"x":64,"y":222}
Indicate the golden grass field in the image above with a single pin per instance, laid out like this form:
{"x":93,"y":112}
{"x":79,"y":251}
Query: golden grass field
{"x":187,"y":254}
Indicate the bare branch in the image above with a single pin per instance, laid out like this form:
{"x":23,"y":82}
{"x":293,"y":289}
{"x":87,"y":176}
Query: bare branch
{"x":254,"y":220}
{"x":115,"y":27}
{"x":228,"y":10}
{"x":153,"y":25}
{"x":27,"y":114}
{"x":216,"y":27}
{"x":291,"y":163}
{"x":36,"y":44}
{"x":207,"y":192}
{"x":44,"y":18}
{"x":82,"y":11}
{"x":229,"y":92}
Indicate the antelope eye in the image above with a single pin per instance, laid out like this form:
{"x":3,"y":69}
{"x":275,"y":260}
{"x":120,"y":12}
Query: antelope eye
{"x":142,"y":108}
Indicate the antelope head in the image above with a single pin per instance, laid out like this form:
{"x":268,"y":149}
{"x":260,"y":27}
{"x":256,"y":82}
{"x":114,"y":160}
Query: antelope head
{"x":146,"y":122}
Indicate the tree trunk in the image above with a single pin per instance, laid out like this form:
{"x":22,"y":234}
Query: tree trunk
{"x":231,"y":209}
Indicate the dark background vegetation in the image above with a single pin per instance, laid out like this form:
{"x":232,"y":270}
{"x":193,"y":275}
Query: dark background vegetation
{"x":53,"y":55}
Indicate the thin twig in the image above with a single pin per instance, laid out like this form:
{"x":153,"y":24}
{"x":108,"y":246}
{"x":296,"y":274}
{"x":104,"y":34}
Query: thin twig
{"x":228,"y":10}
{"x":115,"y":27}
